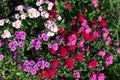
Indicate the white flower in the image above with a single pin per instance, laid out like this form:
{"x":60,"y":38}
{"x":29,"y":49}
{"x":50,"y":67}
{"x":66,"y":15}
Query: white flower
{"x":49,"y":8}
{"x":51,"y":25}
{"x":19,"y":8}
{"x":40,"y":8}
{"x":23,"y":16}
{"x":47,"y":15}
{"x":50,"y":4}
{"x":16,"y":24}
{"x":6,"y":34}
{"x":17,"y":16}
{"x":59,"y":18}
{"x":50,"y":34}
{"x":2,"y":22}
{"x":33,"y":13}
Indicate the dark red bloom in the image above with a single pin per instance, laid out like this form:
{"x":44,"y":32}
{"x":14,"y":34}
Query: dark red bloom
{"x":84,"y":9}
{"x":55,"y":63}
{"x":52,"y":51}
{"x":74,"y":21}
{"x":52,"y":14}
{"x":80,"y":17}
{"x":60,"y":30}
{"x":49,"y":73}
{"x":63,"y":51}
{"x":71,"y":47}
{"x":103,"y":23}
{"x":69,"y":63}
{"x":79,"y":57}
{"x":93,"y":63}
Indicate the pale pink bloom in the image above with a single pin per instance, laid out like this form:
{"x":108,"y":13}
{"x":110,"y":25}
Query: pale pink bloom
{"x":40,"y":8}
{"x":50,"y":34}
{"x":6,"y":34}
{"x":45,"y":14}
{"x":116,"y":43}
{"x":19,"y":8}
{"x":59,"y":18}
{"x":33,"y":13}
{"x":7,"y":20}
{"x":1,"y":57}
{"x":77,"y":74}
{"x":50,"y":4}
{"x":23,"y":16}
{"x":102,"y":68}
{"x":47,"y":1}
{"x":16,"y":24}
{"x":101,"y":76}
{"x":49,"y":7}
{"x":102,"y":53}
{"x":2,"y":22}
{"x":40,"y":2}
{"x":51,"y":25}
{"x":118,"y":50}
{"x":99,"y":18}
{"x":17,"y":16}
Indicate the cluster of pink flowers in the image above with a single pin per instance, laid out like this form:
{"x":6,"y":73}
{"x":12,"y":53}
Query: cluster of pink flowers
{"x":97,"y":76}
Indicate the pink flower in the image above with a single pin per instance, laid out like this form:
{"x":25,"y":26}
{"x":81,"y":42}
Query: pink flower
{"x":99,"y":18}
{"x":118,"y":50}
{"x":81,"y":43}
{"x":72,"y":39}
{"x":102,"y":53}
{"x":77,"y":74}
{"x":67,"y":5}
{"x":105,"y":32}
{"x":109,"y":59}
{"x":1,"y":57}
{"x":93,"y":76}
{"x":101,"y":76}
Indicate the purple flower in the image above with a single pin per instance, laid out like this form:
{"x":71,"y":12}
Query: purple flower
{"x":31,"y":63}
{"x":49,"y":45}
{"x":1,"y":57}
{"x":13,"y":49}
{"x":55,"y":46}
{"x":33,"y":72}
{"x":39,"y":36}
{"x":47,"y":64}
{"x":35,"y":67}
{"x":1,"y":43}
{"x":20,"y":35}
{"x":38,"y":45}
{"x":21,"y":44}
{"x":16,"y":56}
{"x":44,"y":37}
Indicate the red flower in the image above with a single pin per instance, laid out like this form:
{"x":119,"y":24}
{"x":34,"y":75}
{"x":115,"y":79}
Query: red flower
{"x":60,"y":30}
{"x":52,"y":14}
{"x":103,"y":23}
{"x":67,"y":5}
{"x":93,"y":64}
{"x":52,"y":51}
{"x":69,"y":63}
{"x":63,"y":52}
{"x":49,"y":73}
{"x":79,"y":57}
{"x":80,"y":17}
{"x":74,"y":22}
{"x":55,"y":63}
{"x":71,"y":47}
